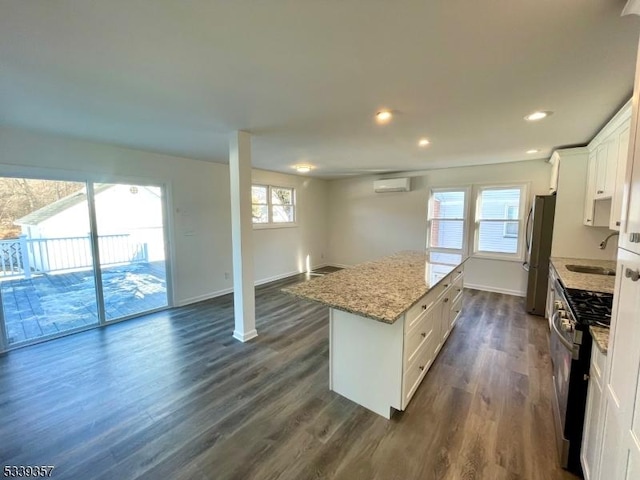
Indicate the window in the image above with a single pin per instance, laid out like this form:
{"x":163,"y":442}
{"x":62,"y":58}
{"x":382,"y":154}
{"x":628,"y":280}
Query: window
{"x":499,"y":212}
{"x":511,"y":228}
{"x":273,"y":205}
{"x":490,"y":227}
{"x":446,"y":229}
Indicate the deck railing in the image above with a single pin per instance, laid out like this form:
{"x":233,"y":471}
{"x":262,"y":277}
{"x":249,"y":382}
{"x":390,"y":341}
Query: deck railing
{"x":24,"y":256}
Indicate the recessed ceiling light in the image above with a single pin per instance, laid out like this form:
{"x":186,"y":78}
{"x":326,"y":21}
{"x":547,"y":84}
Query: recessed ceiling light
{"x":303,"y":168}
{"x":533,"y":150}
{"x":535,"y":116}
{"x":423,"y":142}
{"x":383,"y":116}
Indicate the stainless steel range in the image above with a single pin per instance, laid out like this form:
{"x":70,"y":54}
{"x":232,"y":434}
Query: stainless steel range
{"x":570,"y":344}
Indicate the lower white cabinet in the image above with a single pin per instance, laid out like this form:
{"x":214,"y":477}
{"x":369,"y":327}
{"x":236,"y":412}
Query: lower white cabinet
{"x":620,"y":449}
{"x":380,"y":366}
{"x":593,"y":417}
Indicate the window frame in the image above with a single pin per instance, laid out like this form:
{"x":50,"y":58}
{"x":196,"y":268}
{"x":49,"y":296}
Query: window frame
{"x":463,"y":251}
{"x":523,"y":204}
{"x":270,"y":206}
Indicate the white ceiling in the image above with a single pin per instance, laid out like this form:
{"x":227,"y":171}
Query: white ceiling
{"x":306,"y":76}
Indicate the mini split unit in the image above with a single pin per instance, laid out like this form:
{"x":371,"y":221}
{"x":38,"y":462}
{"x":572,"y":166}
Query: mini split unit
{"x":392,"y":185}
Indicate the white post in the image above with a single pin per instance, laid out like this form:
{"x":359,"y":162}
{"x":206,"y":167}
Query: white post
{"x":24,"y":256}
{"x":242,"y":236}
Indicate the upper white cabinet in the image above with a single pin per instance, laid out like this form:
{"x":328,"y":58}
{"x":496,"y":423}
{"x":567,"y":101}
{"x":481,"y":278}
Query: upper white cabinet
{"x":607,"y":165}
{"x":555,"y":170}
{"x":630,"y":228}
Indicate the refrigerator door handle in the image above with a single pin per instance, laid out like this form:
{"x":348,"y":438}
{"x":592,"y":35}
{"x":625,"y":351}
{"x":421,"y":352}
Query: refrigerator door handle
{"x":527,"y":234}
{"x":527,"y":229}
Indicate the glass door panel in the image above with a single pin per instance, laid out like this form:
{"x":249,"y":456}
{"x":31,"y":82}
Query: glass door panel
{"x":130,"y":228}
{"x":47,"y":279}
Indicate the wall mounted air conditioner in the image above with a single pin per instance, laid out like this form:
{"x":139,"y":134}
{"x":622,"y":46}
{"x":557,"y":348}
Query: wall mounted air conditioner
{"x":392,"y":185}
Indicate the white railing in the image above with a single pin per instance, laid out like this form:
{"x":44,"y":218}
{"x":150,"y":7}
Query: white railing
{"x":24,"y":256}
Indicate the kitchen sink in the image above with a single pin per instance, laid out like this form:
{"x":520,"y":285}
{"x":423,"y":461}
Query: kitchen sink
{"x":591,"y":269}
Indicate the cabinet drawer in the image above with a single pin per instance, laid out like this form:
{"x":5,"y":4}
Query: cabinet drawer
{"x":457,"y":273}
{"x":457,"y":287}
{"x":456,"y":310}
{"x":416,"y":313}
{"x":417,"y":337}
{"x":416,"y":370}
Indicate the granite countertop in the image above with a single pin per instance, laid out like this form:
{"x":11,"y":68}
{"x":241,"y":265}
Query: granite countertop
{"x":584,"y":281}
{"x":600,"y":337}
{"x":382,"y":290}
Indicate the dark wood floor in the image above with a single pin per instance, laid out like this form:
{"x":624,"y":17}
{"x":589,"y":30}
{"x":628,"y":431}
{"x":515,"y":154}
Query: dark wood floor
{"x":173,"y":396}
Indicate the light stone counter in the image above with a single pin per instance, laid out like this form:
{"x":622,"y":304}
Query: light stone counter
{"x":600,"y":337}
{"x":382,"y":290}
{"x":584,"y":281}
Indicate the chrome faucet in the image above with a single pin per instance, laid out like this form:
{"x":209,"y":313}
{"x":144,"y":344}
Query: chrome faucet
{"x":603,"y":244}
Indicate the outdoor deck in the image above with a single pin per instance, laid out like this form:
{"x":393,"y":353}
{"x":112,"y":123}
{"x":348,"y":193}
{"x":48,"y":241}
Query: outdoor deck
{"x":51,"y":303}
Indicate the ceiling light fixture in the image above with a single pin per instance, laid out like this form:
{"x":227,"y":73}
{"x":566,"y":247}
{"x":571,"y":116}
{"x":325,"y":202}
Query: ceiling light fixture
{"x":535,"y":116}
{"x":303,"y":168}
{"x":423,"y":142}
{"x":383,"y":116}
{"x":533,"y":150}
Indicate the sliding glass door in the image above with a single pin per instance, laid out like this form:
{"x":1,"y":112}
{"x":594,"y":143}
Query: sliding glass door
{"x":47,"y":276}
{"x":77,"y":255}
{"x":130,"y":229}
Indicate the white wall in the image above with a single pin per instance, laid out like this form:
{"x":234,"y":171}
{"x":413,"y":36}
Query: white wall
{"x":280,"y":252}
{"x":366,"y":225}
{"x":199,"y":205}
{"x":571,"y":238}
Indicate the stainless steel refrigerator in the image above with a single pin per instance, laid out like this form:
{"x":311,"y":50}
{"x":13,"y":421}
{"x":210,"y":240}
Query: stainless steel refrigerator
{"x":539,"y":233}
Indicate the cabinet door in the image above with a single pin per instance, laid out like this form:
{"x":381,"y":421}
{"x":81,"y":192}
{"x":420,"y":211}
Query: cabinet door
{"x":593,"y":419}
{"x":590,"y":190}
{"x":622,"y":422}
{"x":621,"y":169}
{"x":630,"y":230}
{"x":611,"y":165}
{"x":601,"y":170}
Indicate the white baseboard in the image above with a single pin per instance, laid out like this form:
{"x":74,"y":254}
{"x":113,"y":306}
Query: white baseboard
{"x":275,"y":277}
{"x":506,"y":291}
{"x":225,"y":291}
{"x":245,"y":337}
{"x":338,"y":265}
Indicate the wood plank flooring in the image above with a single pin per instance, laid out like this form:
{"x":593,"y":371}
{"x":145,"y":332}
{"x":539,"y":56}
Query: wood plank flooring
{"x":174,"y":396}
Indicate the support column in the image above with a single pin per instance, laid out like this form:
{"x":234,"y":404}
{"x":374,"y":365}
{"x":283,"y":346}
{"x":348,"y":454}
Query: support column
{"x":242,"y":236}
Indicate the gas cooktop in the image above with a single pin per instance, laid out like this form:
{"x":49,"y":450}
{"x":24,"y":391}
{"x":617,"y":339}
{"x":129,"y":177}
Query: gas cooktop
{"x":590,"y":308}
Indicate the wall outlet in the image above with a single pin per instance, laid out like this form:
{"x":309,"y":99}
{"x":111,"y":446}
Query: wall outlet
{"x":226,"y":275}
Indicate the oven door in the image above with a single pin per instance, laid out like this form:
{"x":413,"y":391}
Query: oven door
{"x":561,"y":356}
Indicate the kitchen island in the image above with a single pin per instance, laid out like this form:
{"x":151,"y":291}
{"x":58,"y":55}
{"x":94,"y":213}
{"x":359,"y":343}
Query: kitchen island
{"x":388,"y":320}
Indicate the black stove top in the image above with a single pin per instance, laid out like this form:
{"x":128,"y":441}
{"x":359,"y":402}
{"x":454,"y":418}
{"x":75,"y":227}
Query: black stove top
{"x":590,"y":308}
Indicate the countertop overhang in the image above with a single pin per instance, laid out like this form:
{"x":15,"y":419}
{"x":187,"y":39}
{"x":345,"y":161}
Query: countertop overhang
{"x":382,"y":290}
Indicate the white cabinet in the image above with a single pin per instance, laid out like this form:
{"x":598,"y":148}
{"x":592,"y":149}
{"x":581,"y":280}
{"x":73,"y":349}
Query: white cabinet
{"x":425,"y":336}
{"x":620,"y":452}
{"x":623,"y":153}
{"x":630,"y":229}
{"x":380,"y":366}
{"x":555,"y":170}
{"x":594,"y":417}
{"x":607,"y":164}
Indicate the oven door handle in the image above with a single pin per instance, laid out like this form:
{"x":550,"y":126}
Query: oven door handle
{"x":563,"y":341}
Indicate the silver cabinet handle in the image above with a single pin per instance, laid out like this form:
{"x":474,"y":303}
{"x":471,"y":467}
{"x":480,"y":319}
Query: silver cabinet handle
{"x":634,"y":275}
{"x":634,"y":237}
